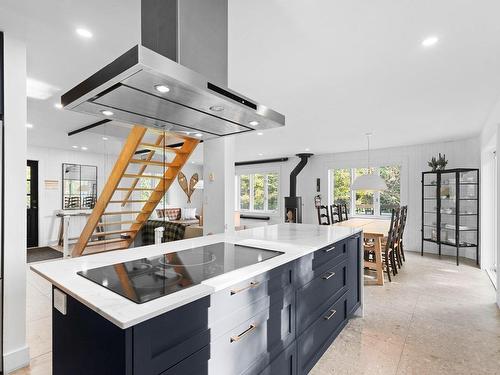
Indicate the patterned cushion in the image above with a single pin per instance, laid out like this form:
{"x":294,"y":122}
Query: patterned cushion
{"x":170,"y":213}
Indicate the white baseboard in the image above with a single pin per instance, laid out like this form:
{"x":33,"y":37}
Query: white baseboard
{"x":16,"y":359}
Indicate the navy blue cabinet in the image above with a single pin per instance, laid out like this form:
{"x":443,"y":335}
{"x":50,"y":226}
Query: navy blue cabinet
{"x":276,"y":323}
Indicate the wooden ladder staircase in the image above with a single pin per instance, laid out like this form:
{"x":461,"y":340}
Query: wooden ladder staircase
{"x":122,"y":181}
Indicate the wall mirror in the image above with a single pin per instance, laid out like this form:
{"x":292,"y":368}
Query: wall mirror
{"x":79,"y":186}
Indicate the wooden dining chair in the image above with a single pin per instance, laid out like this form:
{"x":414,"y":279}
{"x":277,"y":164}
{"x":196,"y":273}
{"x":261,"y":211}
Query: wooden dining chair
{"x":402,"y":225}
{"x":387,"y":257}
{"x":323,"y":215}
{"x":344,"y":212}
{"x":334,"y":213}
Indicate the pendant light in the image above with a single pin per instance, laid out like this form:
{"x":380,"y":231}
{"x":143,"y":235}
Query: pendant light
{"x":369,"y":181}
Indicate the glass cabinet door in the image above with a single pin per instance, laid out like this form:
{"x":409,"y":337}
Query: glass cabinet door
{"x":430,"y":218}
{"x":448,"y":197}
{"x":468,"y":215}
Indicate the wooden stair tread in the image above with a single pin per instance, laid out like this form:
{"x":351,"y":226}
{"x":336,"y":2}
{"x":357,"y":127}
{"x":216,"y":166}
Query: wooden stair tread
{"x":117,"y":223}
{"x":108,"y":233}
{"x":154,"y":147}
{"x":135,"y":189}
{"x":121,"y":213}
{"x":131,"y":201}
{"x":104,"y":242}
{"x":154,"y":162}
{"x":131,"y":175}
{"x":106,"y":247}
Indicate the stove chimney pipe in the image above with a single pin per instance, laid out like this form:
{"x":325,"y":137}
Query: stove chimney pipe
{"x":296,"y":171}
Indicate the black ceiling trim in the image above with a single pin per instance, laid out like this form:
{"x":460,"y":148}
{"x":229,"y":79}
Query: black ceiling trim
{"x":263,"y":161}
{"x":87,"y":127}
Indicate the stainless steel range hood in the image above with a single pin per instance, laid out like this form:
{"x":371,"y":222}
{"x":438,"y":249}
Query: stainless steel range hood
{"x":148,"y":88}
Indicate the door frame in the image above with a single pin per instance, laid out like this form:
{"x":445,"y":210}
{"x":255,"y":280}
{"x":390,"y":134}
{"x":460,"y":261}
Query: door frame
{"x":34,"y":189}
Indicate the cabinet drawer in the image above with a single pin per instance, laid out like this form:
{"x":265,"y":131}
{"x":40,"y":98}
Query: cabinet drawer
{"x":284,"y":364}
{"x":256,"y":342}
{"x":226,"y":303}
{"x":328,"y":253}
{"x":161,"y":342}
{"x":330,"y":285}
{"x":315,"y":264}
{"x":315,"y":340}
{"x":195,"y":364}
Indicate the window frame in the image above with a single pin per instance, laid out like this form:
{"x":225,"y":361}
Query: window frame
{"x":251,"y":177}
{"x":376,"y":194}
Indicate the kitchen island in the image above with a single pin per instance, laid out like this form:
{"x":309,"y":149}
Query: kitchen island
{"x":275,"y":316}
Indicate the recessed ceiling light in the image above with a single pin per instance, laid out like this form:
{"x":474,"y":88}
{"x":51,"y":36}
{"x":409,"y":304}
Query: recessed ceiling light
{"x":253,"y":123}
{"x":307,"y":149}
{"x":74,"y":146}
{"x":58,"y":106}
{"x":430,"y":41}
{"x":39,"y":90}
{"x":84,"y":33}
{"x":29,"y":126}
{"x":107,"y":112}
{"x":105,"y":138}
{"x":261,"y":154}
{"x":84,"y":148}
{"x":260,"y":133}
{"x":198,"y":135}
{"x":217,"y":108}
{"x":162,"y":88}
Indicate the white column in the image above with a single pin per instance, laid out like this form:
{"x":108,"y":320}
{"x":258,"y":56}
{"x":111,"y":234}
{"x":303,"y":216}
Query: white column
{"x":497,"y":212}
{"x":218,"y":190}
{"x":16,"y":352}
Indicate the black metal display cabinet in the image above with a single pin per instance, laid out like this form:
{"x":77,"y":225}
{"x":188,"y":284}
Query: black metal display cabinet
{"x":450,"y":209}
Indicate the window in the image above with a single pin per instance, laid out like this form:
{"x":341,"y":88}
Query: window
{"x":366,"y":203}
{"x":258,"y":192}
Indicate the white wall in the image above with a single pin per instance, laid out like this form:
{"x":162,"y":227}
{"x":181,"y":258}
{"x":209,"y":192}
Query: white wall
{"x":413,"y":159}
{"x":15,"y":350}
{"x":490,"y":140}
{"x":176,"y":196}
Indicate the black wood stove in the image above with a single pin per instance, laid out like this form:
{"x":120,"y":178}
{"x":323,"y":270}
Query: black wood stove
{"x":293,"y":204}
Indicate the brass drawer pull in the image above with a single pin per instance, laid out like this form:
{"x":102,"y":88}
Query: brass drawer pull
{"x":332,"y":313}
{"x":328,"y":275}
{"x":329,"y":249}
{"x":253,"y":284}
{"x":244,"y":333}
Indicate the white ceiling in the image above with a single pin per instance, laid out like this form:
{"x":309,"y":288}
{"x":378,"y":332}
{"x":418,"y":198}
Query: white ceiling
{"x":336,"y":69}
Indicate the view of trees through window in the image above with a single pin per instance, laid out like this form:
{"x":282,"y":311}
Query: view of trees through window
{"x":258,"y":192}
{"x":367,"y":203}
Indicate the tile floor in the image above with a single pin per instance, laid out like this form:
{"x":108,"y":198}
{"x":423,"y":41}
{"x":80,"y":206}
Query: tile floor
{"x":434,"y":318}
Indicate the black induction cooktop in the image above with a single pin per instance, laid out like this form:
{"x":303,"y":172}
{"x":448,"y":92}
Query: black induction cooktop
{"x":146,"y":279}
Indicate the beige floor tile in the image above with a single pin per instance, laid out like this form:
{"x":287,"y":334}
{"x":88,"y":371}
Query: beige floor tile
{"x":416,"y":362}
{"x":38,"y":305}
{"x":357,"y":353}
{"x":40,"y":337}
{"x":41,"y":365}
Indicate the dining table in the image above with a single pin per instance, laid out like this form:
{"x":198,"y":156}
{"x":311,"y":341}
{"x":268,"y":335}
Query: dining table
{"x":375,"y":230}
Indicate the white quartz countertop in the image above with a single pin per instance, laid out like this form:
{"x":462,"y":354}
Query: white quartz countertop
{"x":294,"y":240}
